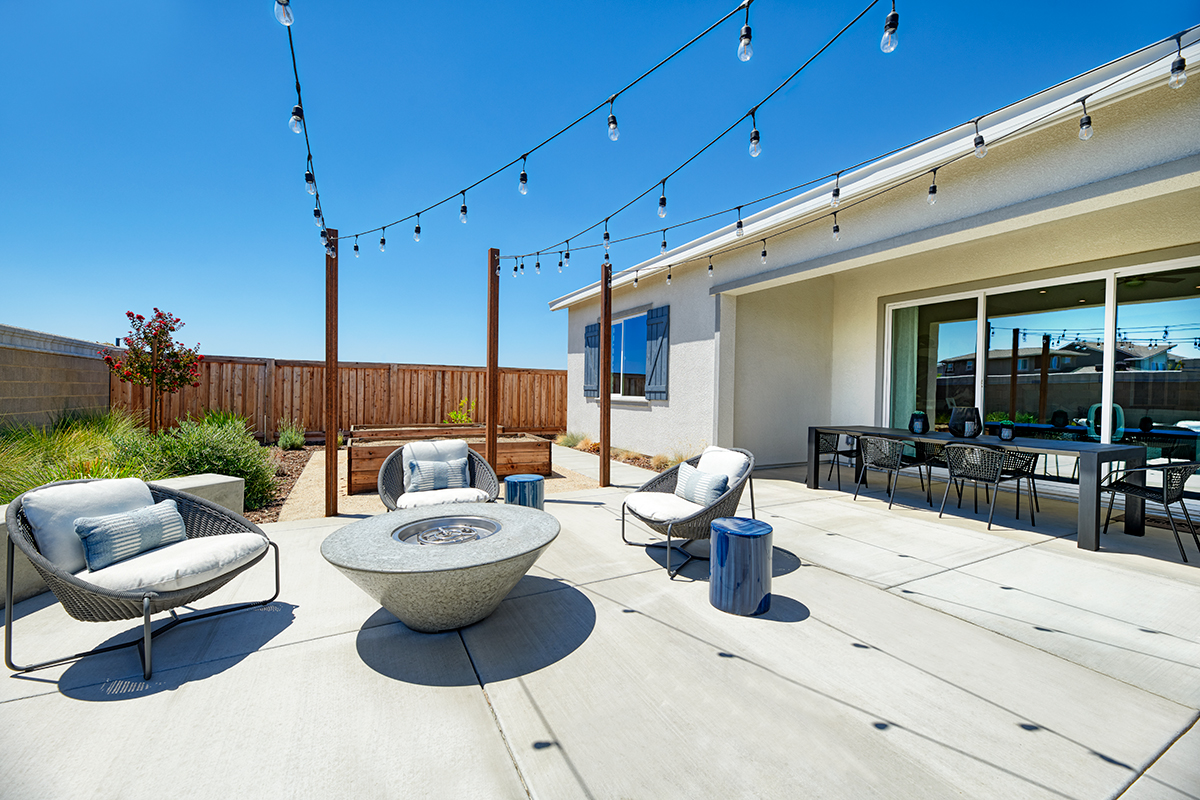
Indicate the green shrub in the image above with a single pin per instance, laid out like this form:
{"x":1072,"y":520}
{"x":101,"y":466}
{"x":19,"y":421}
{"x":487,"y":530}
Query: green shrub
{"x":464,"y":415}
{"x":226,"y":448}
{"x":216,"y":416}
{"x":568,"y":439}
{"x":291,"y":435}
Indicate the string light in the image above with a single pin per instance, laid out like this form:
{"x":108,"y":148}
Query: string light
{"x":889,"y":41}
{"x":837,"y":231}
{"x":635,"y":278}
{"x":296,"y":123}
{"x":523,"y":184}
{"x":310,"y":182}
{"x":462,"y":211}
{"x":980,"y":145}
{"x":668,"y":274}
{"x":1085,"y":122}
{"x":514,"y":269}
{"x":417,"y":229}
{"x":1178,"y":66}
{"x":932,"y":198}
{"x":710,"y":268}
{"x":497,"y":268}
{"x":835,"y":197}
{"x":567,"y":257}
{"x":764,"y":252}
{"x":522,"y":266}
{"x":755,"y":147}
{"x":662,"y":201}
{"x":613,"y":132}
{"x":745,"y":51}
{"x":739,"y":231}
{"x":324,"y":235}
{"x":318,"y":220}
{"x":606,"y":240}
{"x":560,"y":262}
{"x":663,"y":247}
{"x":283,"y":12}
{"x":537,"y":265}
{"x":383,"y":240}
{"x":356,"y":253}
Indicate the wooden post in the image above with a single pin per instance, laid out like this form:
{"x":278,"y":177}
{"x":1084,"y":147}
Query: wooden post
{"x":1045,"y":387}
{"x":268,"y":391}
{"x":331,"y":377}
{"x":605,"y":371}
{"x":493,"y":357}
{"x":1012,"y":384}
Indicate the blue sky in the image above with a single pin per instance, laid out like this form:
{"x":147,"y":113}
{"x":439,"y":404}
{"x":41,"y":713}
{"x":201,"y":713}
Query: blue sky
{"x":148,"y":160}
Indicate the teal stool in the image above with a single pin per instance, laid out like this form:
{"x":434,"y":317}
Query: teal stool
{"x":525,"y":490}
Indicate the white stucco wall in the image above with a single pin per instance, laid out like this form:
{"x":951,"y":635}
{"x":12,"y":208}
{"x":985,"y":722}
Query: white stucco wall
{"x":1041,"y":205}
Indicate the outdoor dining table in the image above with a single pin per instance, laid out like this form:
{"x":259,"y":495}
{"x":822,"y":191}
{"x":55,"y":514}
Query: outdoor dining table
{"x":1091,"y":455}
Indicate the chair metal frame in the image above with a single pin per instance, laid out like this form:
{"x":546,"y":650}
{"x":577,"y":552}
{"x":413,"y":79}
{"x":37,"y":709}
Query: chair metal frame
{"x":90,"y":603}
{"x":883,"y":454}
{"x":1174,"y":478}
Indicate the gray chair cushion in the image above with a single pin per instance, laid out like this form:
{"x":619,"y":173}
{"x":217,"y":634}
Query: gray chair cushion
{"x":440,"y":450}
{"x":178,"y":566}
{"x":52,"y":512}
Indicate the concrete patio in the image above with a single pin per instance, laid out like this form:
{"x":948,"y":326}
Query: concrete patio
{"x":903,"y":656}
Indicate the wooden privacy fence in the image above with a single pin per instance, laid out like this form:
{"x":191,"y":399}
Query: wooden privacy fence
{"x":266,"y":391}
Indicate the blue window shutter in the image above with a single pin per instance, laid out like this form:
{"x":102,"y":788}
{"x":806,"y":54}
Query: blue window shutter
{"x":658,"y":334}
{"x":591,"y":361}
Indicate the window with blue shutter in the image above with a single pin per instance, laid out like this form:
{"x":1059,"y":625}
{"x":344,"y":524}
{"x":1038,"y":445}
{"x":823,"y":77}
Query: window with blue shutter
{"x":658,"y":331}
{"x":591,"y":361}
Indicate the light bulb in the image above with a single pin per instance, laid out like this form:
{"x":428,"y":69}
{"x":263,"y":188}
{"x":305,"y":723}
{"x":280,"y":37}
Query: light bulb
{"x":356,"y":253}
{"x":662,"y":206}
{"x":462,"y":214}
{"x":739,"y":231}
{"x":835,"y":197}
{"x":317,"y":220}
{"x":297,"y":120}
{"x":1085,"y":127}
{"x":417,"y":232}
{"x":567,"y":259}
{"x":613,"y":133}
{"x":668,"y":276}
{"x":764,"y":253}
{"x":310,"y":182}
{"x":497,"y":269}
{"x":635,"y":277}
{"x":523,"y":185}
{"x":980,"y":146}
{"x":330,"y":250}
{"x":663,"y":247}
{"x":1178,"y":73}
{"x":745,"y":51}
{"x":324,"y":236}
{"x":932,"y":198}
{"x":755,"y":149}
{"x":606,"y":243}
{"x":710,"y":269}
{"x":382,"y":244}
{"x":514,"y":269}
{"x":537,"y":267}
{"x":283,"y":12}
{"x":837,"y":232}
{"x":522,"y":267}
{"x":889,"y":41}
{"x":560,"y":263}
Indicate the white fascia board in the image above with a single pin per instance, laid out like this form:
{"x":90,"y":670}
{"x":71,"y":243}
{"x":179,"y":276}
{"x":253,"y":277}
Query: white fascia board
{"x":1125,"y":76}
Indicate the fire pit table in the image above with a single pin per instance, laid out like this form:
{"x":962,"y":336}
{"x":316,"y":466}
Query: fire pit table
{"x":441,"y":567}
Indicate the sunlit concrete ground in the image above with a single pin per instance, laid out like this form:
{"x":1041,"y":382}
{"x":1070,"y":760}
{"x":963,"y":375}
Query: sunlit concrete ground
{"x":903,"y":656}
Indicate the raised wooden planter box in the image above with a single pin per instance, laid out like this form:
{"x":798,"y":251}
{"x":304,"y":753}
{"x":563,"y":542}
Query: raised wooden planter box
{"x":519,"y":454}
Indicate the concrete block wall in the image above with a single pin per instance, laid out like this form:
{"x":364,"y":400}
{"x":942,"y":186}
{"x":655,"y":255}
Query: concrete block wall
{"x":42,"y":375}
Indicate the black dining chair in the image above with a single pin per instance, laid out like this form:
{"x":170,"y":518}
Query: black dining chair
{"x":828,"y":444}
{"x":1173,"y":480}
{"x":887,"y":455}
{"x":979,"y":464}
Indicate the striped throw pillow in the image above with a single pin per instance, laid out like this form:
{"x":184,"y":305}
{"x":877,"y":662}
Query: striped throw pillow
{"x":429,"y":475}
{"x":701,"y":488}
{"x":116,"y":537}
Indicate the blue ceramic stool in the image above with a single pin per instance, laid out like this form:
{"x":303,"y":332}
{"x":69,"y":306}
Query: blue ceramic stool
{"x":739,"y":580}
{"x":525,"y":490}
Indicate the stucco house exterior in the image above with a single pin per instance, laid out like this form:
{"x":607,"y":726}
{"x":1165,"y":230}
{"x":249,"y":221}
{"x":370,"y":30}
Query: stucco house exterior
{"x":845,"y":331}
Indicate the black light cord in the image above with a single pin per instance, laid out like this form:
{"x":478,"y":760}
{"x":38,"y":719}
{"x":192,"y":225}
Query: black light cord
{"x":304,"y":121}
{"x":605,"y":102}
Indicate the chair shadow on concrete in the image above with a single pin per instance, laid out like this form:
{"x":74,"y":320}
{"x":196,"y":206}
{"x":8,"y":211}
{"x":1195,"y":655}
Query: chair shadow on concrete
{"x":189,"y":653}
{"x":542,"y":621}
{"x":782,"y":561}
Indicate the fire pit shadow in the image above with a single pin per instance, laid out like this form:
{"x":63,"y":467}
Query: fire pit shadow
{"x":543,"y":622}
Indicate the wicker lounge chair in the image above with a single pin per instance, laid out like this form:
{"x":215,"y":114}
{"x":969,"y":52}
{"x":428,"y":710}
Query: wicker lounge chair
{"x":88,"y":602}
{"x":695,"y":520}
{"x":391,"y":478}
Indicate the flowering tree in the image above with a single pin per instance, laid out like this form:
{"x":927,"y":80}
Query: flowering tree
{"x":153,"y":358}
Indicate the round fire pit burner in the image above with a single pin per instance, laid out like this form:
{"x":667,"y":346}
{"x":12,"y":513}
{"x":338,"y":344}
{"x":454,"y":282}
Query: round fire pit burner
{"x":446,"y":530}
